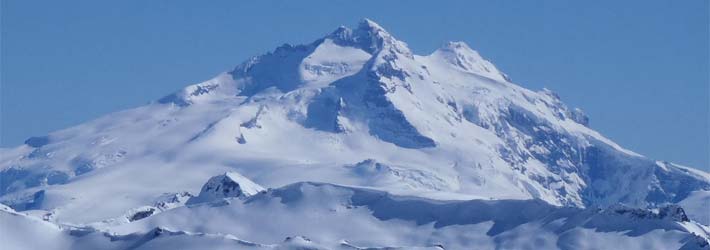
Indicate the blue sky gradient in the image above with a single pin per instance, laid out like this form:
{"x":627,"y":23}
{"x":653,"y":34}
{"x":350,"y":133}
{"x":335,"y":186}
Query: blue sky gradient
{"x":639,"y":69}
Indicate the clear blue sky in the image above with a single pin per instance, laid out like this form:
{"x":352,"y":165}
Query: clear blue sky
{"x":638,"y":68}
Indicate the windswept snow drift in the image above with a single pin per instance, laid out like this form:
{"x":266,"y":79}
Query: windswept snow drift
{"x":355,"y":108}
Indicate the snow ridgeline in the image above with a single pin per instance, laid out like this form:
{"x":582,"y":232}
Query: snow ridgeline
{"x":340,"y":217}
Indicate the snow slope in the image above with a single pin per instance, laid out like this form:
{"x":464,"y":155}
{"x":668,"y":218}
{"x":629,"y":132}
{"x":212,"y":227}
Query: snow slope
{"x":339,"y":217}
{"x":355,"y":108}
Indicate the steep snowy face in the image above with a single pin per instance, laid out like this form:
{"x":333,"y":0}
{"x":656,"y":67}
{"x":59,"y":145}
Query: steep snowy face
{"x":340,"y":54}
{"x":330,"y":62}
{"x":355,"y":107}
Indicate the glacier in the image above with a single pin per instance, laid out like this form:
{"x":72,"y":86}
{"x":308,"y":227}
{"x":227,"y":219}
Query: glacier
{"x":349,"y":142}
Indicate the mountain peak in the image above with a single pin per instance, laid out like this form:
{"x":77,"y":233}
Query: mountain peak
{"x":229,"y":184}
{"x":352,"y":109}
{"x":370,"y":26}
{"x":366,"y":29}
{"x":461,"y":56}
{"x":368,"y":36}
{"x":458,"y":46}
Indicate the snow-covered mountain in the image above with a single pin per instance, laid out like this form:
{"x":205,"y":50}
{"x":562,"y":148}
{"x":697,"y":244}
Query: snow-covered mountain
{"x":354,"y":135}
{"x":339,"y":217}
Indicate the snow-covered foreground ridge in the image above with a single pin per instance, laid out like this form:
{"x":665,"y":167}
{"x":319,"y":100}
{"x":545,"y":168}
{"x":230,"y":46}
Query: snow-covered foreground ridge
{"x":340,"y":217}
{"x":355,"y":108}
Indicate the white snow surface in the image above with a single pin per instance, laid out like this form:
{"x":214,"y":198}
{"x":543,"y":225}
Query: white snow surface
{"x":230,"y":184}
{"x":353,"y":112}
{"x":327,"y":216}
